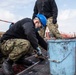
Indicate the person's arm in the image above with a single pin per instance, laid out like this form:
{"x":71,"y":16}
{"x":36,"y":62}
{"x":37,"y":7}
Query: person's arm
{"x":31,"y":36}
{"x":35,"y":10}
{"x":30,"y":33}
{"x":54,"y":10}
{"x":41,"y":41}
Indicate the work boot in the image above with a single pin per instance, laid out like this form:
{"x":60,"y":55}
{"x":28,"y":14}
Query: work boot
{"x":7,"y":67}
{"x":25,"y":61}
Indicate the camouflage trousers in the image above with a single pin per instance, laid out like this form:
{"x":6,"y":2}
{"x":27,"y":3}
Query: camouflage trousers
{"x":15,"y":48}
{"x":53,"y":29}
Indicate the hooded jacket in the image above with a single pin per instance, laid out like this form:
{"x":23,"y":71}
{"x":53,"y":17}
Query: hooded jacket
{"x":46,"y":7}
{"x":24,"y":29}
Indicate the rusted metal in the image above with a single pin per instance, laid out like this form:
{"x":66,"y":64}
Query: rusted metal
{"x":27,"y":69}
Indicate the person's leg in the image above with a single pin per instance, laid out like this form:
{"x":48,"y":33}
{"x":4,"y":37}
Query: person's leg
{"x":21,"y":47}
{"x":14,"y":48}
{"x":7,"y":67}
{"x":42,"y":32}
{"x":6,"y":48}
{"x":53,"y":28}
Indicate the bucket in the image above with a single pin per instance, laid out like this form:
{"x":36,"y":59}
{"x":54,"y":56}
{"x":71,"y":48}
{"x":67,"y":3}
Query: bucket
{"x":62,"y":57}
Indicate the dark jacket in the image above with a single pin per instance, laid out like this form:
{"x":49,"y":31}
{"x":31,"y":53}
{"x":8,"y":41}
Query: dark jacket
{"x":46,"y":7}
{"x":24,"y":29}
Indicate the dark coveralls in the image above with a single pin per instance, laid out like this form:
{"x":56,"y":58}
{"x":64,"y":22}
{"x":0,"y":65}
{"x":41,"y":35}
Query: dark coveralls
{"x":20,"y":39}
{"x":50,"y":10}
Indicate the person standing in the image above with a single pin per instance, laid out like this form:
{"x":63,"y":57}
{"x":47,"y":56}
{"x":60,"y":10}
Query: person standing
{"x":50,"y":10}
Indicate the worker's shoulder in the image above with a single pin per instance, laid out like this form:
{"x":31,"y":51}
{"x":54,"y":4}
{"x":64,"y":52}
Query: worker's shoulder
{"x":26,"y":19}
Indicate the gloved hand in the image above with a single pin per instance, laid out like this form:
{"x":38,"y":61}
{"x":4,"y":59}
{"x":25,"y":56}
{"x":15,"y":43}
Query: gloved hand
{"x":39,"y":54}
{"x":54,"y":21}
{"x":38,"y":51}
{"x":41,"y":57}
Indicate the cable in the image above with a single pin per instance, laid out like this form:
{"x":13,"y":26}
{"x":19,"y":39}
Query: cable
{"x":6,"y":21}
